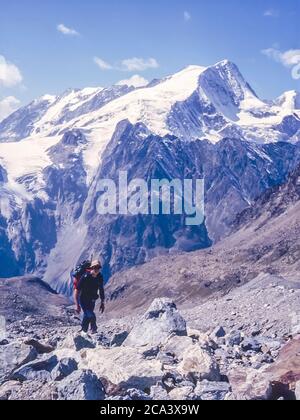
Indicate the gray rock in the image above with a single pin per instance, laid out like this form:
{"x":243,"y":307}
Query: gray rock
{"x":14,"y":355}
{"x":82,"y":385}
{"x":151,"y":353}
{"x":182,"y":394}
{"x":63,"y":369}
{"x":39,"y":370}
{"x":217,"y":333}
{"x":250,"y":344}
{"x":81,"y":343}
{"x":214,"y":391}
{"x":198,"y":364}
{"x":138,"y":395}
{"x":159,"y":322}
{"x":40,"y":347}
{"x":158,"y":393}
{"x":118,"y":339}
{"x":234,"y":339}
{"x":77,"y":342}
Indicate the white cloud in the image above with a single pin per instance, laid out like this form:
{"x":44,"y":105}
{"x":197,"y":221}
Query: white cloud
{"x":187,"y":16}
{"x":66,"y":31}
{"x":290,"y":59}
{"x":103,"y":65}
{"x":136,"y":81}
{"x":271,"y":13}
{"x":8,"y":106}
{"x":10,"y":75}
{"x":139,"y":64}
{"x":128,"y":64}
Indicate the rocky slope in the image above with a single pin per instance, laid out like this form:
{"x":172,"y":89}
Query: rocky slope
{"x":157,"y":356}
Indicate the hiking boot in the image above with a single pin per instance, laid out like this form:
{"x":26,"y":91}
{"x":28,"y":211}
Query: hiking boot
{"x":94,"y":332}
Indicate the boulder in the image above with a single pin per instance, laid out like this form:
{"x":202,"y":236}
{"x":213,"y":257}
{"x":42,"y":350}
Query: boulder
{"x":138,"y":395}
{"x":250,"y":384}
{"x":7,"y":389}
{"x":124,"y":366}
{"x":39,"y":347}
{"x":198,"y":364}
{"x":217,"y":333}
{"x":39,"y":370}
{"x":234,"y":338}
{"x":118,"y":339}
{"x":14,"y":355}
{"x":77,"y":342}
{"x":212,"y":391}
{"x":63,"y":369}
{"x":182,"y":394}
{"x":176,"y":345}
{"x":81,"y":385}
{"x":250,"y":344}
{"x":160,"y":321}
{"x":158,"y":393}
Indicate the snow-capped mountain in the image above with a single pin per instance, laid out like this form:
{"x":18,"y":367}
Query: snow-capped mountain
{"x":199,"y":122}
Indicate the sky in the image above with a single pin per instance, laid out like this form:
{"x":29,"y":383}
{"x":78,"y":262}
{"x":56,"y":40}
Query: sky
{"x":49,"y":46}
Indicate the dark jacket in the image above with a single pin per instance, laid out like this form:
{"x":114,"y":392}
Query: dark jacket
{"x":89,"y":287}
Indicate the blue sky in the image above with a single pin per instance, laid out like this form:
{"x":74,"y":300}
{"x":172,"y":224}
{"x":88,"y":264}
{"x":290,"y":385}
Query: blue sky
{"x":261,"y":36}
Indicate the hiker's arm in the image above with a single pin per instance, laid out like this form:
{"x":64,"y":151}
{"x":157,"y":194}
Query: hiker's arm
{"x":102,"y":294}
{"x":76,"y":299}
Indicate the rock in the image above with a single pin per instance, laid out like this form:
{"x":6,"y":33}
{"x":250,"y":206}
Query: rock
{"x":297,"y":391}
{"x":39,"y":347}
{"x":170,"y":380}
{"x":158,"y":393}
{"x":14,"y":355}
{"x":183,"y":393}
{"x":82,"y":385}
{"x":151,"y":353}
{"x":38,"y":370}
{"x":7,"y":389}
{"x":4,"y":342}
{"x":217,"y":333}
{"x":176,"y":346}
{"x":198,"y":364}
{"x":249,"y":384}
{"x":159,"y":322}
{"x":78,"y":341}
{"x":212,"y":391}
{"x":63,"y":369}
{"x":124,"y":366}
{"x":118,"y":339}
{"x":250,"y":344}
{"x":234,"y":338}
{"x":137,"y":395}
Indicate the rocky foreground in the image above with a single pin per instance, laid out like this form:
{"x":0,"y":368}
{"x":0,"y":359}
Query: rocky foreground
{"x":157,"y":356}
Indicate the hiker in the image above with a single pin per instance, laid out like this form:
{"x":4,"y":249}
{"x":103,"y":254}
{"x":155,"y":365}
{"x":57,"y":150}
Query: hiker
{"x":90,"y":284}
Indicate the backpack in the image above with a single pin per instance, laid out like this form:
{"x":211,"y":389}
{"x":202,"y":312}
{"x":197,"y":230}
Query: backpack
{"x":79,"y":271}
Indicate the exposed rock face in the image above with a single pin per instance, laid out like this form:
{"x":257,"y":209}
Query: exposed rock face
{"x":159,"y":322}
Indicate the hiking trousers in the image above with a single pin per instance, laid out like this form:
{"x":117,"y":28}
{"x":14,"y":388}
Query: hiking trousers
{"x":89,"y":317}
